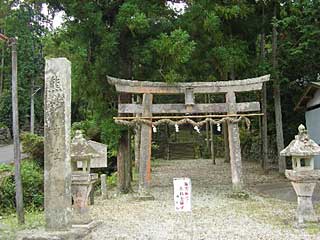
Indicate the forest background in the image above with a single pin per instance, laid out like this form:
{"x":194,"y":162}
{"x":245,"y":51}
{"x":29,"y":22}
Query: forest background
{"x":148,"y":40}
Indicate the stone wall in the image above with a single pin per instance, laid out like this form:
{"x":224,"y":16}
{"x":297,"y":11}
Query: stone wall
{"x":5,"y":136}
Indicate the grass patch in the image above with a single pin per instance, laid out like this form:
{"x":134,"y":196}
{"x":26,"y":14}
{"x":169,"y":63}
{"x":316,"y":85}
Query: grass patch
{"x":9,"y":224}
{"x":239,"y":195}
{"x":267,"y":210}
{"x":312,"y":228}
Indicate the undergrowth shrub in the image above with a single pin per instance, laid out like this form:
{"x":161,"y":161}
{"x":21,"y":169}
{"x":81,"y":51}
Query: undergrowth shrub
{"x":32,"y":183}
{"x":33,"y":145}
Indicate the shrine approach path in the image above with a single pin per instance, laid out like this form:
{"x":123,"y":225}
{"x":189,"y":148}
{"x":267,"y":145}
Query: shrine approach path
{"x":216,"y":214}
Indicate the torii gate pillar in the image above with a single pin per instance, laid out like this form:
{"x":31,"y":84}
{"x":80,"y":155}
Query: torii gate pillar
{"x":234,"y":144}
{"x":145,"y":151}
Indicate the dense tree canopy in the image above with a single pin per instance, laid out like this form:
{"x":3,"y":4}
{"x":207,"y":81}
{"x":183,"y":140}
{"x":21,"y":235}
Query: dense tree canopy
{"x":148,"y":40}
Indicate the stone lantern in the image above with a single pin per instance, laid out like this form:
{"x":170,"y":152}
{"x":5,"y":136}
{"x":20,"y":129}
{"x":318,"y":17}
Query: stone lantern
{"x":303,"y":176}
{"x":82,"y":179}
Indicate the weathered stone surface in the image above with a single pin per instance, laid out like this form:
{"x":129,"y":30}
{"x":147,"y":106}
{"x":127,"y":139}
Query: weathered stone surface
{"x":305,"y":211}
{"x":302,"y":145}
{"x":81,"y":152}
{"x":104,"y":192}
{"x":303,"y":176}
{"x":87,"y":154}
{"x":81,"y":187}
{"x":57,"y":166}
{"x":100,"y":160}
{"x":304,"y":189}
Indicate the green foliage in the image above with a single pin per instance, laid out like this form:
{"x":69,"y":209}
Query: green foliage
{"x":131,"y":16}
{"x":5,"y":108}
{"x":88,"y":127}
{"x":33,"y":146}
{"x":110,"y":134}
{"x":172,"y":51}
{"x":2,"y":125}
{"x":32,"y":183}
{"x":146,"y":40}
{"x":112,"y":180}
{"x":105,"y":131}
{"x":25,"y":22}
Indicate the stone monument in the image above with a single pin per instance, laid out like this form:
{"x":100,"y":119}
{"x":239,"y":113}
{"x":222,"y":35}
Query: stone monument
{"x":57,"y":126}
{"x":82,"y":179}
{"x":303,"y":176}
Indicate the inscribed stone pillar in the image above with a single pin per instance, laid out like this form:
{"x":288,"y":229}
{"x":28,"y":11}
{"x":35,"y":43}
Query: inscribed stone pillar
{"x":57,"y":163}
{"x":145,"y":151}
{"x":234,"y":144}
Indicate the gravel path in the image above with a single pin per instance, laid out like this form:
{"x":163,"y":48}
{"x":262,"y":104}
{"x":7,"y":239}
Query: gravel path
{"x":215,"y":215}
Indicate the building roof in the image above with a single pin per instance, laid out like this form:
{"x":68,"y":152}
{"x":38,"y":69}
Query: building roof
{"x":307,"y":96}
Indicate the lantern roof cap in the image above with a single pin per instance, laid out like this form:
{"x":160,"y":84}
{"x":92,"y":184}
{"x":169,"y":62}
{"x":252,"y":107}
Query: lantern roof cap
{"x":80,"y":148}
{"x":302,"y":145}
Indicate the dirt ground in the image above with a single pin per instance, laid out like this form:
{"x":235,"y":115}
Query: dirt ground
{"x":216,"y":214}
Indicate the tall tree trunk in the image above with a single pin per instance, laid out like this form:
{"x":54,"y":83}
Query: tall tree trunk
{"x":32,"y":106}
{"x":277,"y":95}
{"x":2,"y":70}
{"x":264,"y":129}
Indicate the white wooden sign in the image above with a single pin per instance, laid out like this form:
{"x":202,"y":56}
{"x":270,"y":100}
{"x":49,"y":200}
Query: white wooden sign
{"x":182,"y":194}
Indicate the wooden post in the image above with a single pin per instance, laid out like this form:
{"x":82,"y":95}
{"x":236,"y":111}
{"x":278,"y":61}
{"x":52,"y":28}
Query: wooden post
{"x":234,"y":144}
{"x":213,"y":154}
{"x":122,"y":164}
{"x":168,"y":142}
{"x":145,"y":151}
{"x":137,"y":141}
{"x":16,"y":139}
{"x":207,"y":125}
{"x":264,"y":134}
{"x":226,"y":142}
{"x":129,"y":161}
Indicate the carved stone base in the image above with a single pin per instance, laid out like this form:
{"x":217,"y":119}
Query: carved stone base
{"x":81,"y":187}
{"x":305,"y":211}
{"x":304,"y":185}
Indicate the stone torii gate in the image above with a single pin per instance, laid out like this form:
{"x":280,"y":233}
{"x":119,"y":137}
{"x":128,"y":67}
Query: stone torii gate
{"x":230,"y":111}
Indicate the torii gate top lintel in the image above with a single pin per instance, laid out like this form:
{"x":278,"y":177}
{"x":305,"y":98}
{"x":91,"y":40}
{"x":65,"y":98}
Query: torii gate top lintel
{"x":135,"y":86}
